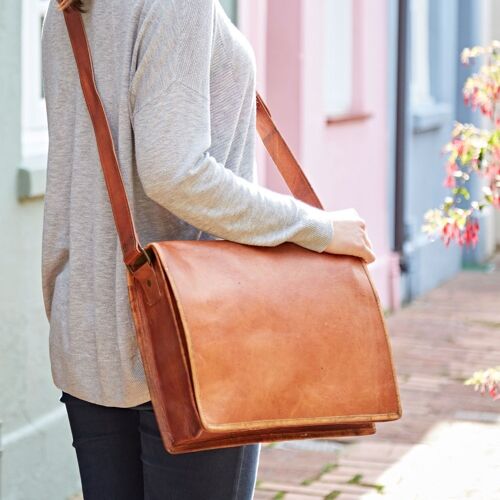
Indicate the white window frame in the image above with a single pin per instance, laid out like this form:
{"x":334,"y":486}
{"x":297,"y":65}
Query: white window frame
{"x":338,"y":56}
{"x":33,"y":115}
{"x":420,"y":82}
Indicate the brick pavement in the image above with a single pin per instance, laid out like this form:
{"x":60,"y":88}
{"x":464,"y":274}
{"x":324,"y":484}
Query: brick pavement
{"x":447,"y":443}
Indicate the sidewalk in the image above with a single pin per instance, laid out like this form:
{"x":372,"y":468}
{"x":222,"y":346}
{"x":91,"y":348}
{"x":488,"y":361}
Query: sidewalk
{"x":447,"y":443}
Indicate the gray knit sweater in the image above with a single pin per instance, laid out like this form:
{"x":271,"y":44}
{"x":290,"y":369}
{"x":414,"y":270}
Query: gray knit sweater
{"x":177,"y":80}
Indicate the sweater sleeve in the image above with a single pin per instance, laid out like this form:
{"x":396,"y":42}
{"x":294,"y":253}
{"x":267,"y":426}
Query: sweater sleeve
{"x":172,"y":142}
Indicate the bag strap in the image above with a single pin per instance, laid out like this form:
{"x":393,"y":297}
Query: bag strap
{"x":133,"y":253}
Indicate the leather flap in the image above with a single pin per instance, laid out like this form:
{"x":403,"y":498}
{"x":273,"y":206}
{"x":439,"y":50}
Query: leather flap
{"x":280,"y":334}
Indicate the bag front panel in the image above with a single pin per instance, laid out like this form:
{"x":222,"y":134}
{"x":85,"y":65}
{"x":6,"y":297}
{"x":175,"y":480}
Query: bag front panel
{"x":280,"y":335}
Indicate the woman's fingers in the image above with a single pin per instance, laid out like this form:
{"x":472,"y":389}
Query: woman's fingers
{"x":367,"y":250}
{"x":370,"y":256}
{"x":349,"y":235}
{"x":366,"y":253}
{"x":368,"y":241}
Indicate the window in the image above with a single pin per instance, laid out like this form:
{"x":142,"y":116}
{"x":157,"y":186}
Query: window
{"x":231,"y":7}
{"x":338,"y":83}
{"x":420,"y":75}
{"x":430,"y":107}
{"x":34,"y":120}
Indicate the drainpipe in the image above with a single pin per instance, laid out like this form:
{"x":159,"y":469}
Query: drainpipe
{"x":401,"y":133}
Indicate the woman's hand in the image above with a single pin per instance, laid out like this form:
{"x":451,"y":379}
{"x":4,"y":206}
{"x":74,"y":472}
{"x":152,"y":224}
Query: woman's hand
{"x":349,"y":235}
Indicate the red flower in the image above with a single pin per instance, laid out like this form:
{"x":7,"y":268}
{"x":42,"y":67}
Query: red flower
{"x":470,"y":233}
{"x":450,"y":232}
{"x":468,"y":236}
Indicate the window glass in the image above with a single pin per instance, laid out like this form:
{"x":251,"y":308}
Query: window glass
{"x":338,"y":50}
{"x":420,"y":76}
{"x":34,"y":120}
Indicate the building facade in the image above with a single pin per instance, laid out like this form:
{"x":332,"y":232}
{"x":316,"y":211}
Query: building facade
{"x":366,"y":94}
{"x":36,"y":457}
{"x":430,"y":81}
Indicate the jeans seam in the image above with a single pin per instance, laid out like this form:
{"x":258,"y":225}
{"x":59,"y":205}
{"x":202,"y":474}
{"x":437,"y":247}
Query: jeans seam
{"x":238,"y":477}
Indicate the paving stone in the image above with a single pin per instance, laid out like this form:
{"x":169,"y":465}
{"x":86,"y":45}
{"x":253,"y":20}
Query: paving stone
{"x":344,"y":474}
{"x":264,"y":495}
{"x":317,"y":488}
{"x":293,"y":496}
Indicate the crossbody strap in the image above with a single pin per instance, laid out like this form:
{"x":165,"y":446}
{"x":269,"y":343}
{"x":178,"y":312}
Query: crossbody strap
{"x":133,"y":253}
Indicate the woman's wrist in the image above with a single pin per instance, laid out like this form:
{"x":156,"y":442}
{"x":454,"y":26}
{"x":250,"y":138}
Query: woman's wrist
{"x":317,"y":233}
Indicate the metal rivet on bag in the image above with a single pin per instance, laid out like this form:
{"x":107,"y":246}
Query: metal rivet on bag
{"x":148,"y":282}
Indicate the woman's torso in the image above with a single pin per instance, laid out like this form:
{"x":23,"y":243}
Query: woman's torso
{"x":93,"y":350}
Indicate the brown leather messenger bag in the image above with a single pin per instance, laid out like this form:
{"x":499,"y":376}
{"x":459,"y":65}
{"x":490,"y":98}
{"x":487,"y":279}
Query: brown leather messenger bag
{"x":245,"y":344}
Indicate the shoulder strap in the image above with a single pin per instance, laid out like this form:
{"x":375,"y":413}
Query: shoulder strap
{"x":283,"y":158}
{"x":133,"y":253}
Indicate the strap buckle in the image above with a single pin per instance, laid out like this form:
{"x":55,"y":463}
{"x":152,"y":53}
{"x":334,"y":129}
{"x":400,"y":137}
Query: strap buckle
{"x":142,"y":259}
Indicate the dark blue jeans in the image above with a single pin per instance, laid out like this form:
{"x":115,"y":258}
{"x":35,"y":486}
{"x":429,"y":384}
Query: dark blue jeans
{"x":121,"y":457}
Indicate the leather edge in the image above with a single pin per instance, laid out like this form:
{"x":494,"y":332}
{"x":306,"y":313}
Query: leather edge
{"x":386,"y":334}
{"x":215,"y":443}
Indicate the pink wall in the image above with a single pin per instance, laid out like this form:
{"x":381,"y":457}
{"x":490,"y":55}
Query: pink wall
{"x":253,"y":22}
{"x":346,"y":162}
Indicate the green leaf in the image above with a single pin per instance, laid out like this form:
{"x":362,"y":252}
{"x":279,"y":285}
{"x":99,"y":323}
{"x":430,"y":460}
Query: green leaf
{"x":355,"y":479}
{"x":463,"y":191}
{"x":324,"y":470}
{"x":332,"y":495}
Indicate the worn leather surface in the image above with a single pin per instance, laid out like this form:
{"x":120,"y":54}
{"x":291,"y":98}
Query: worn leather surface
{"x":303,"y":349}
{"x":244,"y":344}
